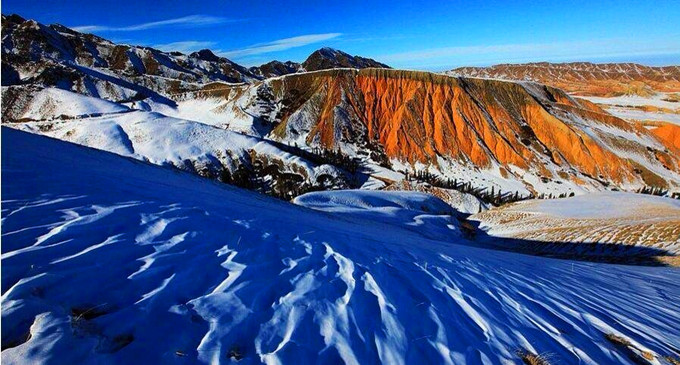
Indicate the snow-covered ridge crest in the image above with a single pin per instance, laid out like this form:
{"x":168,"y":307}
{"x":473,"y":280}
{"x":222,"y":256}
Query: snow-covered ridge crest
{"x":54,"y":55}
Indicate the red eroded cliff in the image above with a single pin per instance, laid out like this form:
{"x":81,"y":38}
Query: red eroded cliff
{"x":418,"y":117}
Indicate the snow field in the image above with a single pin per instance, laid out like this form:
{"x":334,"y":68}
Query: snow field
{"x":115,"y":260}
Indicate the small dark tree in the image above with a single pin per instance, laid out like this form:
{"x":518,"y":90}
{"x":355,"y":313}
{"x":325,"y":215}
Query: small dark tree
{"x":241,"y":177}
{"x":225,"y":176}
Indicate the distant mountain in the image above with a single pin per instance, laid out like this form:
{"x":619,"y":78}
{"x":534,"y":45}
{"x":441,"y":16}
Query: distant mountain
{"x":585,"y":78}
{"x":55,"y":55}
{"x":327,"y":58}
{"x":276,"y":68}
{"x":322,"y":59}
{"x":354,"y":128}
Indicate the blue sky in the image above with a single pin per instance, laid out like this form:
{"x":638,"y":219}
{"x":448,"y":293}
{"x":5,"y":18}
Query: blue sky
{"x":431,"y":35}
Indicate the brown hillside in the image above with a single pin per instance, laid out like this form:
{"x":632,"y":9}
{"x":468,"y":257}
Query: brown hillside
{"x":418,"y":116}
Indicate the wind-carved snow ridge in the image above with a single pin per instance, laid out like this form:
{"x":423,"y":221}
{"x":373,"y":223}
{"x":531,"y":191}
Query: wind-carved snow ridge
{"x":159,"y":267}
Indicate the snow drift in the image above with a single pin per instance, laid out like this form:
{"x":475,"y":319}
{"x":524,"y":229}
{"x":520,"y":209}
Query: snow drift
{"x":107,"y":259}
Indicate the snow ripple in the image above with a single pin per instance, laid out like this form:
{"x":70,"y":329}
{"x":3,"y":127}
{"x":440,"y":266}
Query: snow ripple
{"x":131,"y":271}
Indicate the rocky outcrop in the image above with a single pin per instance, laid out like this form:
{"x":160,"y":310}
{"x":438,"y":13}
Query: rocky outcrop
{"x":328,"y":58}
{"x":516,"y":131}
{"x":670,"y":134}
{"x":276,"y":68}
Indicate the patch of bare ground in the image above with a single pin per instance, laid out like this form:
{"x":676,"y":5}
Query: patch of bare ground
{"x":636,"y":354}
{"x":673,"y":98}
{"x":83,"y":324}
{"x":529,"y":358}
{"x":672,"y":359}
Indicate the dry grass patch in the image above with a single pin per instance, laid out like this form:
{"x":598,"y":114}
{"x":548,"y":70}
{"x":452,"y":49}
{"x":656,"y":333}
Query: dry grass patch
{"x":672,"y":359}
{"x":530,"y":358}
{"x":673,"y":261}
{"x":673,"y":98}
{"x":617,"y":340}
{"x":639,"y":356}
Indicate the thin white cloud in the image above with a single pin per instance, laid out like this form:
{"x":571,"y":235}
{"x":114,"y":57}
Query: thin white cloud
{"x":280,"y":45}
{"x":190,"y":21}
{"x":472,"y":55}
{"x":184,"y":46}
{"x":480,"y":50}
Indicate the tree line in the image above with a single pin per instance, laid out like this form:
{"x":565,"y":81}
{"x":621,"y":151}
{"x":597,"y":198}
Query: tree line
{"x":655,"y":190}
{"x":271,"y":178}
{"x":324,"y":156}
{"x":490,"y":196}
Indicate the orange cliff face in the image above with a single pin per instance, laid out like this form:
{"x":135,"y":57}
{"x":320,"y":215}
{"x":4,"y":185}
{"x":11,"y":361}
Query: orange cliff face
{"x":418,"y":117}
{"x":670,"y":134}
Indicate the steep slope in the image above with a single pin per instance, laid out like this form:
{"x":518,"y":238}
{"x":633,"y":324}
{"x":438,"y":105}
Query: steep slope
{"x":585,"y":78}
{"x":163,"y":267}
{"x":521,"y":137}
{"x":670,"y":133}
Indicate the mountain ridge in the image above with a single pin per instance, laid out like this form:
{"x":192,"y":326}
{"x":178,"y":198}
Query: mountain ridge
{"x":585,"y":78}
{"x":56,"y":55}
{"x":522,"y":138}
{"x":516,"y":136}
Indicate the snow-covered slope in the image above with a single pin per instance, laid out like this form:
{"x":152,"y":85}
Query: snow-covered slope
{"x":189,"y":145}
{"x":48,"y":103}
{"x":612,"y":218}
{"x":112,"y":260}
{"x":658,"y":107}
{"x":236,"y":109}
